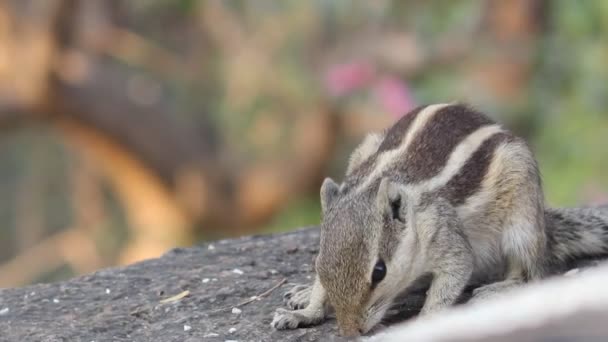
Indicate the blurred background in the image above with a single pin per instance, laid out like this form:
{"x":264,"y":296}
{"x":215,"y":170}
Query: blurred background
{"x":130,"y":127}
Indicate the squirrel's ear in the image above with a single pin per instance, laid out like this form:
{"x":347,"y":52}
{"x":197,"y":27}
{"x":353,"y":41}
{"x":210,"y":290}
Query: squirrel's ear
{"x":329,"y":192}
{"x":391,"y":199}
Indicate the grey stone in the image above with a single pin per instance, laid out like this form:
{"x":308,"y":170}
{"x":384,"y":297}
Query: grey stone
{"x":124,"y":303}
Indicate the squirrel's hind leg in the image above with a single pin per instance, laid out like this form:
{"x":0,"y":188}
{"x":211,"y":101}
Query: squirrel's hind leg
{"x":524,"y":245}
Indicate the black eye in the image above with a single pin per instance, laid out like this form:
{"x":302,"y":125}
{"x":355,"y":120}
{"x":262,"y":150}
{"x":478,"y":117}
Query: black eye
{"x":379,"y":272}
{"x":395,"y":206}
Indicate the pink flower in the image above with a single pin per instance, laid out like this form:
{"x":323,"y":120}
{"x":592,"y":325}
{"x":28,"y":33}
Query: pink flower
{"x":394,"y":96}
{"x":342,"y":79}
{"x":593,"y":195}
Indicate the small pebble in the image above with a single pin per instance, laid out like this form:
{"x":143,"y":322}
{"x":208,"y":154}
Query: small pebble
{"x":108,"y":291}
{"x":232,"y":330}
{"x":273,"y":272}
{"x":4,"y":311}
{"x":237,"y":271}
{"x":254,"y":298}
{"x":236,"y":311}
{"x":211,"y":247}
{"x":187,"y":327}
{"x":55,"y":300}
{"x":206,"y":280}
{"x":211,"y":335}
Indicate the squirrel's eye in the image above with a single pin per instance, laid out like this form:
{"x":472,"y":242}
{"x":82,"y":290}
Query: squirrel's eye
{"x":379,"y":272}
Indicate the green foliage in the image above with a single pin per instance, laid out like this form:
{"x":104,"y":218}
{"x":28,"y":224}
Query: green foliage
{"x":569,"y":94}
{"x":302,"y":212}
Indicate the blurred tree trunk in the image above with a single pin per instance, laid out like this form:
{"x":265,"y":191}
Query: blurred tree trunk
{"x":510,"y":29}
{"x":169,"y":177}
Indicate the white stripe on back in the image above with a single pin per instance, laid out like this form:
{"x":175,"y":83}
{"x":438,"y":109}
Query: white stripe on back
{"x":387,"y":158}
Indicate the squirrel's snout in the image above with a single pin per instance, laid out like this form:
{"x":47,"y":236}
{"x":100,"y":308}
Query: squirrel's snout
{"x":351,"y":332}
{"x":350,"y":327}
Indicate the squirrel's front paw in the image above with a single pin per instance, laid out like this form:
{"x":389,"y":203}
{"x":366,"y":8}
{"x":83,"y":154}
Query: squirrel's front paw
{"x":298,"y":297}
{"x":285,"y":319}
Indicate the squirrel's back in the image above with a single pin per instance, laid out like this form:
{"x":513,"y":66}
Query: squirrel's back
{"x":483,"y":170}
{"x":453,"y":152}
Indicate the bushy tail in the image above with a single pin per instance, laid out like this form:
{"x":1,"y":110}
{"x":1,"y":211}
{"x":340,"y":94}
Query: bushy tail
{"x":577,"y":233}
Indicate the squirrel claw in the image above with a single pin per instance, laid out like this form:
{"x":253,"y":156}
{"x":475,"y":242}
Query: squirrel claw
{"x":285,"y":319}
{"x":298,"y":297}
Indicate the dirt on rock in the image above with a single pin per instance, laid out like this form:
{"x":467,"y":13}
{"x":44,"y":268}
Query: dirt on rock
{"x":221,"y":291}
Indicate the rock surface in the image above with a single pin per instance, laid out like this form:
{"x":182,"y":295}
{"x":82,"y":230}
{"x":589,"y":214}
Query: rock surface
{"x":224,"y":291}
{"x":572,"y":308}
{"x":126,"y":304}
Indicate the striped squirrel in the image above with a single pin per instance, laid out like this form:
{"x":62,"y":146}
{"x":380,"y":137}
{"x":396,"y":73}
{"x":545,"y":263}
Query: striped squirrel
{"x":444,"y":191}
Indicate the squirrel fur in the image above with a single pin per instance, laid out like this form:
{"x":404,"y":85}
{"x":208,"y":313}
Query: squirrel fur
{"x":445,"y":191}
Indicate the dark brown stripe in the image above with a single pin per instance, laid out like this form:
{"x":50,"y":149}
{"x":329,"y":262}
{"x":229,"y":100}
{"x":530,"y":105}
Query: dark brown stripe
{"x":470,"y":177}
{"x":431,"y":148}
{"x":392,"y":140}
{"x":395,"y":134}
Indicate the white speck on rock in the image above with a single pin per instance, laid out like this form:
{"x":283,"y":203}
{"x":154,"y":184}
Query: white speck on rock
{"x":108,"y":291}
{"x":572,"y":272}
{"x":254,"y":298}
{"x":211,"y":247}
{"x":211,"y":335}
{"x":237,"y":271}
{"x":236,"y":311}
{"x":32,"y":293}
{"x":232,"y":330}
{"x":213,"y":279}
{"x":231,"y":341}
{"x":308,"y":277}
{"x":4,"y":311}
{"x":273,"y":272}
{"x":55,"y":300}
{"x":187,"y":327}
{"x":206,"y":280}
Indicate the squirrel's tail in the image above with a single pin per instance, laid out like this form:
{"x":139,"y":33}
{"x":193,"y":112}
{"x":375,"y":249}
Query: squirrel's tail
{"x":577,"y":233}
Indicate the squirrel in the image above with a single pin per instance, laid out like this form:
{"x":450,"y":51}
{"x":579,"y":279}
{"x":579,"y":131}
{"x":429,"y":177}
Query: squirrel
{"x":445,"y":191}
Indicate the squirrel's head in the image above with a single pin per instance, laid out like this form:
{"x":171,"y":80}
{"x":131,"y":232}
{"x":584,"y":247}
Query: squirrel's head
{"x":363,"y":261}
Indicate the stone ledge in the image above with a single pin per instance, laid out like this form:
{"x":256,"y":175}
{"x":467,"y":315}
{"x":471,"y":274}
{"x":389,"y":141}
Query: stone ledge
{"x":571,"y":308}
{"x":186,"y":295}
{"x":124,"y":304}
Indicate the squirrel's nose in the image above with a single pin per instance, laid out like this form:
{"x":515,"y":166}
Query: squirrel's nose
{"x":351,"y":332}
